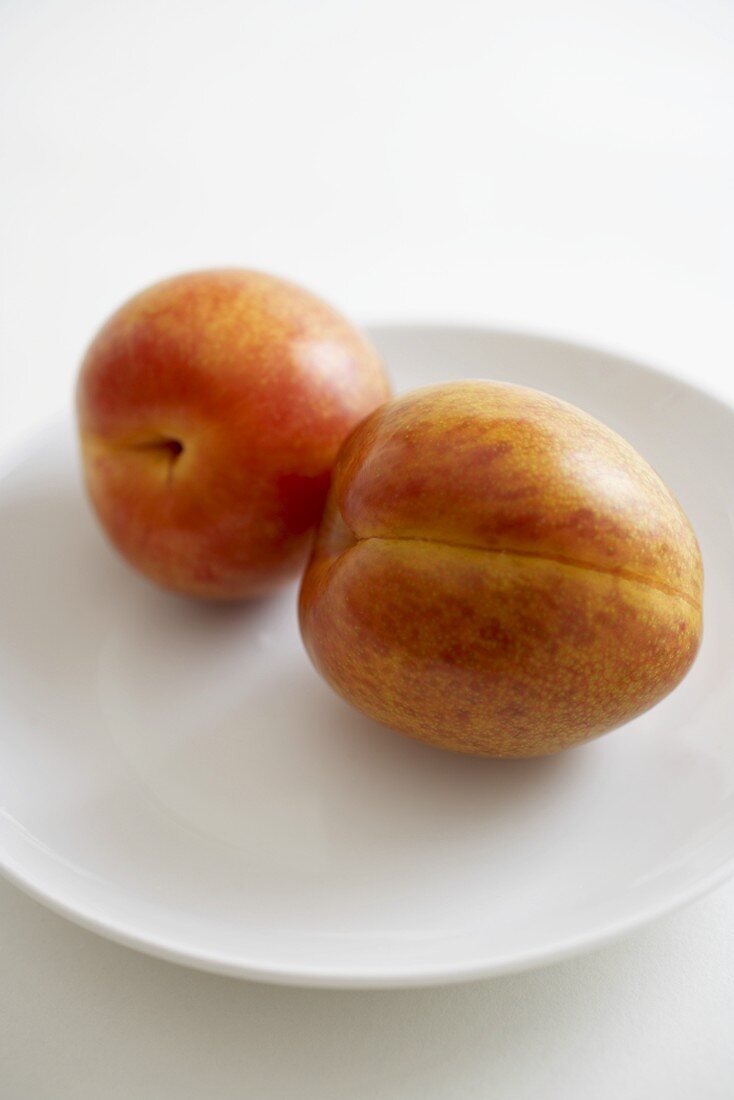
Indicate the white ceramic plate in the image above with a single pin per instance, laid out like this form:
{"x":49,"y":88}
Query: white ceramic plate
{"x":176,"y":776}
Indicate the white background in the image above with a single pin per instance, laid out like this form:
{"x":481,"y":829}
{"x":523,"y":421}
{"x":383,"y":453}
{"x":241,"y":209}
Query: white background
{"x":566,"y":167}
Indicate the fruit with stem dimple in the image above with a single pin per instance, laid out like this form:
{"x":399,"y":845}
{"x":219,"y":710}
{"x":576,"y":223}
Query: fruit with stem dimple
{"x":499,"y":573}
{"x":211,"y":408}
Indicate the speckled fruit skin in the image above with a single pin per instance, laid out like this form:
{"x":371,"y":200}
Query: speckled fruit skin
{"x":211,"y":408}
{"x":498,"y":573}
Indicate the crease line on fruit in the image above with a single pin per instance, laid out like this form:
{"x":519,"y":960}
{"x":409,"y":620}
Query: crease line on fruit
{"x":167,"y":447}
{"x":162,"y":445}
{"x":172,"y":447}
{"x":623,"y":574}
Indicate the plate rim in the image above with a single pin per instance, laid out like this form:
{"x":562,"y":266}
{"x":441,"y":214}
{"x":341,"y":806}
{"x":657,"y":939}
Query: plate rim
{"x":433,"y":973}
{"x":343,"y":978}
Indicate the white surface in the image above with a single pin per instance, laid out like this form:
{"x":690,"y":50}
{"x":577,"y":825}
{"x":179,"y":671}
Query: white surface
{"x":564,"y":166}
{"x":178,"y":776}
{"x":648,"y":1017}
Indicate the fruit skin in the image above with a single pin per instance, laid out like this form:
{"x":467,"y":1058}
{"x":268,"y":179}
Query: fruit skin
{"x":498,"y":573}
{"x":211,"y":408}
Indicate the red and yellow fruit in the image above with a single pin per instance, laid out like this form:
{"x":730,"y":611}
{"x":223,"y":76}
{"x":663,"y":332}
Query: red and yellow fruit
{"x":498,"y":573}
{"x":211,"y":408}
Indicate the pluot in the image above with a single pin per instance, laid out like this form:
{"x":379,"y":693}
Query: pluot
{"x":499,"y":573}
{"x":211,"y":408}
